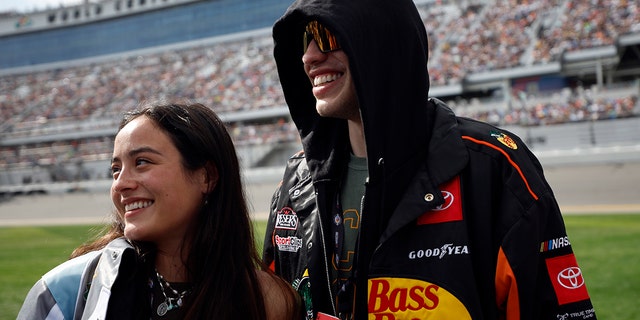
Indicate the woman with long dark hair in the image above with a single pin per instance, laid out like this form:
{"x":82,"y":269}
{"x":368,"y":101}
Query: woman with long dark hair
{"x":181,"y":245}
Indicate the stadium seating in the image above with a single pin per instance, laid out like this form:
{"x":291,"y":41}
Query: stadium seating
{"x":239,"y":76}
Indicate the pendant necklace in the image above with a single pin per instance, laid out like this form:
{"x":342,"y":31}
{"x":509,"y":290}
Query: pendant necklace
{"x":169,"y":303}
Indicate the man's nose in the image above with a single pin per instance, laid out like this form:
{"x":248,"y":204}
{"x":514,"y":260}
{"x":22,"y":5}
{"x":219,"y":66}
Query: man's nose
{"x":313,"y":53}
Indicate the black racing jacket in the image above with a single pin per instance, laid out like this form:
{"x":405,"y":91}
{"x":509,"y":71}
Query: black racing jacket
{"x":478,"y":234}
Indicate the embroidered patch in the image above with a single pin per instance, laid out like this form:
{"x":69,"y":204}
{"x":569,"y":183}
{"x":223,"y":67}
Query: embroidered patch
{"x":567,"y":279}
{"x":447,"y":249}
{"x":450,"y":210}
{"x":402,"y":298}
{"x":289,"y":244}
{"x":504,"y":139}
{"x":286,"y":219}
{"x":554,"y":244}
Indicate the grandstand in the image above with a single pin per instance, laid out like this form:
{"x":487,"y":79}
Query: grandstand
{"x":563,"y":74}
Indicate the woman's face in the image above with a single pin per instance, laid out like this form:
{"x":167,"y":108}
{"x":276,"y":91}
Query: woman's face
{"x":155,"y":196}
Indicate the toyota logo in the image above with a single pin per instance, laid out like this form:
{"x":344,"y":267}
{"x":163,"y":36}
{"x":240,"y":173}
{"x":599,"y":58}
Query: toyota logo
{"x":448,"y":201}
{"x":571,"y":278}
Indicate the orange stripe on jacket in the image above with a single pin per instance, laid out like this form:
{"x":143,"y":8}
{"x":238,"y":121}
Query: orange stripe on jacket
{"x":507,"y":298}
{"x":515,"y":165}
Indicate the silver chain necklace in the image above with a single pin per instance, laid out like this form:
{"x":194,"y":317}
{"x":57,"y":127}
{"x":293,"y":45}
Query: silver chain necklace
{"x":169,"y":303}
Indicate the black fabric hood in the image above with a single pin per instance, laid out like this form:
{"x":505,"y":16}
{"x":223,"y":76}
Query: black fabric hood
{"x":387,"y":46}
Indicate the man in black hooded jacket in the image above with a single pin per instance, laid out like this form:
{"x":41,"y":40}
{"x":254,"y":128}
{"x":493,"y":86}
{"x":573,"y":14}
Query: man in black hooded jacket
{"x":396,"y":208}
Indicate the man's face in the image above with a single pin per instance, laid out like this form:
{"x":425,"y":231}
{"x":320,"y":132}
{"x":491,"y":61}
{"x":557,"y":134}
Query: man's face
{"x":332,"y":84}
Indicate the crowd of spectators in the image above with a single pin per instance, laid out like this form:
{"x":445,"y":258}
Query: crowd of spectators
{"x":229,"y":77}
{"x":239,"y":75}
{"x":56,"y":152}
{"x":91,"y":149}
{"x":487,"y":37}
{"x":510,"y":33}
{"x":585,"y":24}
{"x":565,"y":106}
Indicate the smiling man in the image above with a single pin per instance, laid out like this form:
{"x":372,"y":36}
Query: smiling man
{"x":396,"y":208}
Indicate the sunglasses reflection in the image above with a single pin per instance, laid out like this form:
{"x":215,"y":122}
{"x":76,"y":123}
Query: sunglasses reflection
{"x":324,"y":38}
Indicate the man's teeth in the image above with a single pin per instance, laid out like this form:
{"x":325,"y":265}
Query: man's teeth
{"x":137,"y":205}
{"x":325,"y":78}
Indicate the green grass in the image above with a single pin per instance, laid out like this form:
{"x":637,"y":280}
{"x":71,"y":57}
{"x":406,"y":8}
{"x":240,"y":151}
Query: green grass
{"x":606,"y":247}
{"x":29,"y":252}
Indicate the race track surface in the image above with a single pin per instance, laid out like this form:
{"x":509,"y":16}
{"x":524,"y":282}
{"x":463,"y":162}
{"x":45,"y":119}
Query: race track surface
{"x":599,"y":188}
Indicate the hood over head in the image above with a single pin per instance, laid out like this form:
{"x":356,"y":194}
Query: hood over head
{"x":387,"y":47}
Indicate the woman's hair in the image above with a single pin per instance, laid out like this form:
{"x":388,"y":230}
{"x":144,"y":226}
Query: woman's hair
{"x":222,"y":258}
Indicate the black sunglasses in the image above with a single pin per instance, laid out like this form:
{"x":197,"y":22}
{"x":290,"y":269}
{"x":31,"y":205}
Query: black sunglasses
{"x":325,"y":40}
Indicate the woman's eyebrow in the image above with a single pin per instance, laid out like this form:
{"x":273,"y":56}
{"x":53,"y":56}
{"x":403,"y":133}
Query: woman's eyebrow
{"x":134,"y":152}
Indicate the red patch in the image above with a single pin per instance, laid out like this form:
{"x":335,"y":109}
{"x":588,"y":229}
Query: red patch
{"x":450,"y":210}
{"x":567,"y":279}
{"x":324,"y":316}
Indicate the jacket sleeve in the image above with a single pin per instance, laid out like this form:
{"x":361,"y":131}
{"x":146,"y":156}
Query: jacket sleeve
{"x":57,"y":294}
{"x":40,"y":304}
{"x":537,"y":275}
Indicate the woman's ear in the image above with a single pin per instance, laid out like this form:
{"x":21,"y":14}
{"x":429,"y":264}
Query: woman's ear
{"x":211,"y":176}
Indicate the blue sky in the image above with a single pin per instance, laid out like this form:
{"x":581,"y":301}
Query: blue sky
{"x":30,"y":5}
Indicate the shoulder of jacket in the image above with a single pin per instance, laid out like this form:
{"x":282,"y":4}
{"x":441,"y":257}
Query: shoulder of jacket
{"x":65,"y":282}
{"x":297,"y":166}
{"x":507,"y":148}
{"x":70,"y":269}
{"x":484,"y":134}
{"x":481,"y":134}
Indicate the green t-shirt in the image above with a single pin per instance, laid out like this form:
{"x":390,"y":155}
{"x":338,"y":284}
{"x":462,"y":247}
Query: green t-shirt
{"x":351,"y":196}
